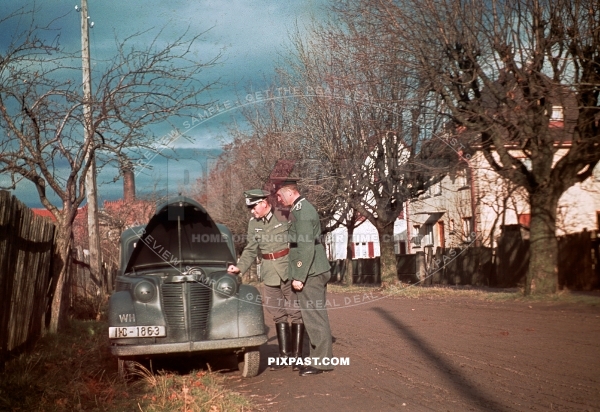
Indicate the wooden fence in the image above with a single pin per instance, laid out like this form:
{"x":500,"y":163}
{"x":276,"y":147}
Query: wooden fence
{"x":26,"y":248}
{"x":459,"y":266}
{"x":512,"y":258}
{"x":578,"y":266}
{"x":502,"y":267}
{"x":83,"y":290}
{"x":452,"y":266}
{"x":364,"y":271}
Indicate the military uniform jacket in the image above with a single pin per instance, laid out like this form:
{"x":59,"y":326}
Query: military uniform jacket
{"x":267,"y":235}
{"x":307,"y":254}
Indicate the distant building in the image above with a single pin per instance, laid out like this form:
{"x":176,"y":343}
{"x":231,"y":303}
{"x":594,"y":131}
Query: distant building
{"x":471,"y":205}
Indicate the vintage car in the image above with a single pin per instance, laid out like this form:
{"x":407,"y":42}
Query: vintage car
{"x":173,"y":295}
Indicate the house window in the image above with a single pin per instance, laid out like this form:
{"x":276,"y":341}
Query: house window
{"x":467,"y":228}
{"x":428,"y":234}
{"x":435,"y":189}
{"x":557,"y":114}
{"x":416,"y":240}
{"x":361,"y":250}
{"x":441,"y":234}
{"x":464,"y":179}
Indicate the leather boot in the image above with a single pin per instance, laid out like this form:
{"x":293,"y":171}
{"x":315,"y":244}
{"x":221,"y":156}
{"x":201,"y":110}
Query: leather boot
{"x":297,"y":338}
{"x":283,"y":338}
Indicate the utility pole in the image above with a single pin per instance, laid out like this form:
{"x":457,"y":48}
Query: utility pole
{"x":88,"y":135}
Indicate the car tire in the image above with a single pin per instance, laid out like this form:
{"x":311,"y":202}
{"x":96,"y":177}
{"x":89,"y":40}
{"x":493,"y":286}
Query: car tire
{"x":126,"y":368}
{"x":249,"y":364}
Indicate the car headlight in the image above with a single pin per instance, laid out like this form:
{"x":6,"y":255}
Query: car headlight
{"x":226,"y":286}
{"x":144,"y":291}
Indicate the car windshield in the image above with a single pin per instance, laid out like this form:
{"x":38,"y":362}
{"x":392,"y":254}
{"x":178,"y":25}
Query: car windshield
{"x":181,"y":232}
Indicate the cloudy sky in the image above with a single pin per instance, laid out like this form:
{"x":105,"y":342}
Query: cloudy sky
{"x":251,"y":35}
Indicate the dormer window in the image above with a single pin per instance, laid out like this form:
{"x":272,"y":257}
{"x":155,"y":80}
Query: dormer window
{"x":557,"y":114}
{"x":464,"y":179}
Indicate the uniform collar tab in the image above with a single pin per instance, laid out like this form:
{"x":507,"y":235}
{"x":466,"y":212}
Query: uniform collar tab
{"x":300,"y":199}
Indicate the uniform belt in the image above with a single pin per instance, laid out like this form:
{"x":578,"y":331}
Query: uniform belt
{"x":295,"y":244}
{"x":275,"y":255}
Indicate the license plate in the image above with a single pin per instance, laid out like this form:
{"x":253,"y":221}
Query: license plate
{"x":136,"y":332}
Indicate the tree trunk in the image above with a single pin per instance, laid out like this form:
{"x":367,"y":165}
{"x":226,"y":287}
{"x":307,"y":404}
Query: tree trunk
{"x":349,"y":270}
{"x":389,"y":272}
{"x":542,"y":273}
{"x":60,"y":270}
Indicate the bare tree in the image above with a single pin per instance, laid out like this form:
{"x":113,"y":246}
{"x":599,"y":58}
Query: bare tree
{"x":503,"y":68}
{"x":368,"y":118}
{"x":248,"y":162}
{"x":42,"y":123}
{"x":355,"y":120}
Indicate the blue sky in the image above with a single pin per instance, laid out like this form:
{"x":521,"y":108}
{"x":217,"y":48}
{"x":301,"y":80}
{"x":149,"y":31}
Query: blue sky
{"x":251,"y":36}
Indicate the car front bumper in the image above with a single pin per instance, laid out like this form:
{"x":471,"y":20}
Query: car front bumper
{"x":187,"y":347}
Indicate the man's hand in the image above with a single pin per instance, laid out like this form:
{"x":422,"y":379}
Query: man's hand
{"x":233,"y":269}
{"x":297,"y":285}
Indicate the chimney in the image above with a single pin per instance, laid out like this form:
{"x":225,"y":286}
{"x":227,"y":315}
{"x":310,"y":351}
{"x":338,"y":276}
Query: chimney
{"x":128,"y":182}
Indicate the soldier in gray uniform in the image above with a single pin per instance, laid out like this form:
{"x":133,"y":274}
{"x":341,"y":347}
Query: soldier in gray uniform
{"x":268,"y":238}
{"x":310,"y":272}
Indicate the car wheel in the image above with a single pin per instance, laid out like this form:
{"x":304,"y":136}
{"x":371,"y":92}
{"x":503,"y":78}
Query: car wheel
{"x":250,"y":362}
{"x":126,"y":368}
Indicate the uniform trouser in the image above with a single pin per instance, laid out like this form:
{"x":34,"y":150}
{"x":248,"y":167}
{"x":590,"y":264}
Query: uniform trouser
{"x":313,"y":301}
{"x":282,"y":302}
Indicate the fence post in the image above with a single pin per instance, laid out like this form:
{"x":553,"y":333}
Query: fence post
{"x":421,"y":267}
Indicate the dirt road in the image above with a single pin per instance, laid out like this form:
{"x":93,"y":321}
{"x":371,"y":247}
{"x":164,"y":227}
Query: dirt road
{"x":443,"y":354}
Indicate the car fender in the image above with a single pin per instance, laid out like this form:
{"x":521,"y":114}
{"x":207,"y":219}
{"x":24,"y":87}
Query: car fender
{"x":124,"y":310}
{"x":251,"y":319}
{"x":121,"y":310}
{"x":223,"y":311}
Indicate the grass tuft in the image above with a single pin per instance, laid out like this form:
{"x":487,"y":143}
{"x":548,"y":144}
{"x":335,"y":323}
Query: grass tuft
{"x":74,"y":371}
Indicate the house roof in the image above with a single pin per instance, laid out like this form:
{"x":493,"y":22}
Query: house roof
{"x":43,"y":212}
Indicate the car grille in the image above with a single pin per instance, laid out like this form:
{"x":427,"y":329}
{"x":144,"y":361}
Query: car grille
{"x":198,"y":298}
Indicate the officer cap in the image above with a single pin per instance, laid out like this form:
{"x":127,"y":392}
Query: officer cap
{"x":254,"y":196}
{"x":279,"y":182}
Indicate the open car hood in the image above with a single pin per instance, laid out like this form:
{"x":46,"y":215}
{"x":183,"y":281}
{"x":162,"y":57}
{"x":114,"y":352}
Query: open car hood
{"x":180,"y":233}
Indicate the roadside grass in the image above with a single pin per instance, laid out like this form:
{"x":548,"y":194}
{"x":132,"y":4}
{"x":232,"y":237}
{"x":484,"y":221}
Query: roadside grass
{"x":412,"y":291}
{"x":74,"y":371}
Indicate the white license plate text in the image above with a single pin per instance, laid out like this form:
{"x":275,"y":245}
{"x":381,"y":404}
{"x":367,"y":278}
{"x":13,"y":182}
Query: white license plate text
{"x":136,"y":332}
